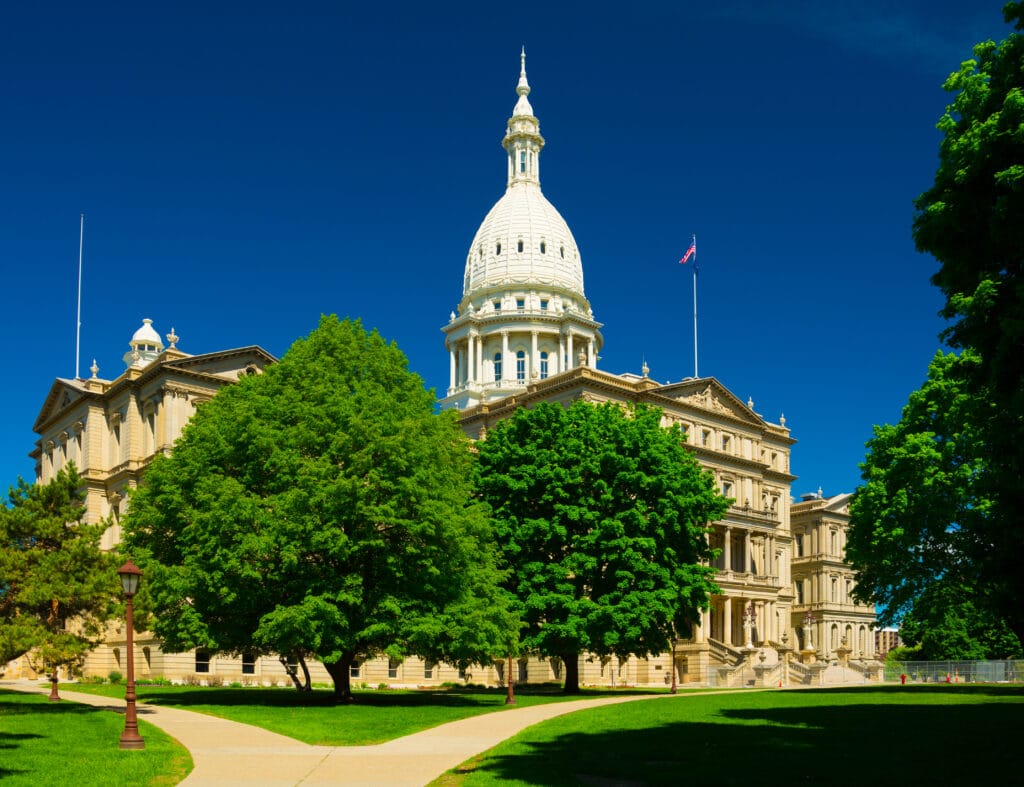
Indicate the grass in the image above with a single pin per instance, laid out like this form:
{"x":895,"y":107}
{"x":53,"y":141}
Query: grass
{"x":61,"y":743}
{"x":873,"y":735}
{"x":314,"y":717}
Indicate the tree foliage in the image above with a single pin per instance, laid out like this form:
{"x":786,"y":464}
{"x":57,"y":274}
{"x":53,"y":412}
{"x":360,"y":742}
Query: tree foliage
{"x":972,"y":221}
{"x":321,"y":509}
{"x":945,"y":623}
{"x":915,"y":519}
{"x":602,"y":516}
{"x":57,"y":587}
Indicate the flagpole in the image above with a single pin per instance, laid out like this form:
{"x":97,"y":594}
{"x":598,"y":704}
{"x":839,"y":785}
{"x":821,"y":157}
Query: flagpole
{"x":695,"y":306}
{"x":78,"y":319}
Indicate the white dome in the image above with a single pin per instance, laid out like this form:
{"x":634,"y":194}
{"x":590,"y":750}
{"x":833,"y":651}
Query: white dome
{"x":146,"y":334}
{"x":523,"y":240}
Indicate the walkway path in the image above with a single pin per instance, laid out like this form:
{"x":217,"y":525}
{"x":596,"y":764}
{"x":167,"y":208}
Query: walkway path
{"x":230,"y":753}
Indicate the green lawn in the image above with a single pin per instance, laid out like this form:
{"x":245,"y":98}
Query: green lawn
{"x":314,"y":717}
{"x":61,"y":743}
{"x":868,"y":735}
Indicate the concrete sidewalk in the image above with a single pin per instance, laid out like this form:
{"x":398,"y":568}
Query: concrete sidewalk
{"x":230,"y":753}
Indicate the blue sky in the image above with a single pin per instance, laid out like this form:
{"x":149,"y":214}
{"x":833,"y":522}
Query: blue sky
{"x":244,"y":168}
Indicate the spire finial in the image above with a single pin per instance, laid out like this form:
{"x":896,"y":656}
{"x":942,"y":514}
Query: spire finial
{"x":523,"y":88}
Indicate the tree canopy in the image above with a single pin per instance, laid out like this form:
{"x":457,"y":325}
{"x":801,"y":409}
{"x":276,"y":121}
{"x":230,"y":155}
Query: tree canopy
{"x":57,"y":587}
{"x":602,"y":515}
{"x":322,"y":509}
{"x":972,"y":221}
{"x":916,"y":518}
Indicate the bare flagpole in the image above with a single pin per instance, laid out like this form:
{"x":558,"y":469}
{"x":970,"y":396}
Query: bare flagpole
{"x":78,"y":319}
{"x":694,"y":247}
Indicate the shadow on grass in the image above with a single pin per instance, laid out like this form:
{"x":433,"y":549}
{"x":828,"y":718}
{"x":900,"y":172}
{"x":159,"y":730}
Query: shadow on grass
{"x":793,"y":743}
{"x":287,"y":698}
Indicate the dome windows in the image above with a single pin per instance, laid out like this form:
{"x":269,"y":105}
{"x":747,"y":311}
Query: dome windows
{"x":497,"y":249}
{"x":521,"y":366}
{"x":519,"y":247}
{"x":543,"y":247}
{"x":497,"y":367}
{"x":561,"y":250}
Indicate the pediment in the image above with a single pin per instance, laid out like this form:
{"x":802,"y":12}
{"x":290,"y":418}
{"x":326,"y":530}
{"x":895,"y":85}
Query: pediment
{"x":64,"y":394}
{"x":709,"y":395}
{"x":840,"y":504}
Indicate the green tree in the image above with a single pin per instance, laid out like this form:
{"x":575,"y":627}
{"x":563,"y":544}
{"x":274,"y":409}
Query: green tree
{"x":57,"y":587}
{"x":603,"y":516}
{"x":321,"y":509}
{"x":946,"y":624}
{"x":972,"y":221}
{"x":915,"y":520}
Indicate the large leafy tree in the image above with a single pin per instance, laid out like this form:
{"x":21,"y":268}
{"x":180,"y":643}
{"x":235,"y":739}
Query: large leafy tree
{"x":945,"y":623}
{"x":57,"y":587}
{"x":322,"y":509}
{"x":916,"y":518}
{"x":602,"y":515}
{"x":972,"y":221}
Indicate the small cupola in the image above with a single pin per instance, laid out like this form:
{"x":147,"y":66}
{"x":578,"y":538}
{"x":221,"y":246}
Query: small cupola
{"x":145,"y":346}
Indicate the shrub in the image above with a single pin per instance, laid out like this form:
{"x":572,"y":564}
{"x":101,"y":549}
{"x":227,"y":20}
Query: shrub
{"x":115,"y":677}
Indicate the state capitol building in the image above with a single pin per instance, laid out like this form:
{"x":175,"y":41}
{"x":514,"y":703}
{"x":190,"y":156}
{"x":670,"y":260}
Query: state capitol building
{"x":524,"y":332}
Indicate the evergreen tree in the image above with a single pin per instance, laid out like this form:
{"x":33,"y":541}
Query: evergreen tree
{"x":57,"y":587}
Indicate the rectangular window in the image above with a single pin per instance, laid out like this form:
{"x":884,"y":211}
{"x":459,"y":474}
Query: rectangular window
{"x":705,"y":437}
{"x":497,"y":306}
{"x":520,"y":304}
{"x":353,"y":671}
{"x":248,"y":663}
{"x":524,"y":672}
{"x":522,"y":161}
{"x":543,"y":305}
{"x":428,"y":669}
{"x":725,"y":442}
{"x":202,"y":661}
{"x":393,"y":665}
{"x":520,"y":366}
{"x":726,"y":489}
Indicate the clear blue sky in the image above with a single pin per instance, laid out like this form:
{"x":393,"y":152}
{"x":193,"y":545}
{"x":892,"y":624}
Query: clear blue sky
{"x":245,"y":168}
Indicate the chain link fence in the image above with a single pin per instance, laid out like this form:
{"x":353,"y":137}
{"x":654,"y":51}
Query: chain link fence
{"x":956,"y":671}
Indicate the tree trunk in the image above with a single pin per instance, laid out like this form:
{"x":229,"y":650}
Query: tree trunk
{"x":572,"y":673}
{"x":340,"y":672}
{"x":308,"y":682}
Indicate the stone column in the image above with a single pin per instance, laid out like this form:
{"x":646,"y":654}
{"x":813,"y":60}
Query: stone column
{"x":746,"y":551}
{"x":451,"y":369}
{"x":560,"y":363}
{"x":571,"y":359}
{"x":478,"y":364}
{"x":506,"y":362}
{"x":727,"y":621}
{"x":534,"y":358}
{"x":727,"y":547}
{"x":591,"y":360}
{"x":472,"y":371}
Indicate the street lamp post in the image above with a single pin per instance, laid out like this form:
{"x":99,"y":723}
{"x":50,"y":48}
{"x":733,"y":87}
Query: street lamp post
{"x":130,"y":738}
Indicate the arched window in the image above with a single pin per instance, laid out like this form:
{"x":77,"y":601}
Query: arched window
{"x":519,"y":247}
{"x":521,"y":366}
{"x":497,"y":248}
{"x":497,"y":367}
{"x":543,"y":247}
{"x":543,"y":356}
{"x":522,"y":161}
